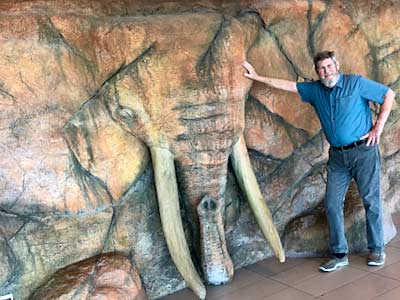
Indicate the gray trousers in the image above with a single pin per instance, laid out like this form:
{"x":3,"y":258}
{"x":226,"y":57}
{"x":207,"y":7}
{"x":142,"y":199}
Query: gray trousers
{"x":363,"y":164}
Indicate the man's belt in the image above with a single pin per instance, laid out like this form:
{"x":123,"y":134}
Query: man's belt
{"x":349,"y":146}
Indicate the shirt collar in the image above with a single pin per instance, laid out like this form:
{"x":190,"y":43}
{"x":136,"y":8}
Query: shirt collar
{"x":340,"y":81}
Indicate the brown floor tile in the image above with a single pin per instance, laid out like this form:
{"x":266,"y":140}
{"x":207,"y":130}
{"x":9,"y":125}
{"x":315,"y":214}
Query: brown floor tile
{"x":255,"y":291}
{"x":300,"y":279}
{"x":303,"y":271}
{"x":241,"y":280}
{"x":271,"y":266}
{"x":365,"y":288}
{"x":392,"y":295}
{"x":326,"y":282}
{"x":392,"y":271}
{"x":290,"y":294}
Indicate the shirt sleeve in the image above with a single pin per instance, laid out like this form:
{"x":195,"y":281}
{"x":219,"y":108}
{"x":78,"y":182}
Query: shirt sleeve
{"x":305,"y":90}
{"x":372,"y":91}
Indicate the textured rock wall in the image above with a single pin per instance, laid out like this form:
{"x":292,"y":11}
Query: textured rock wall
{"x":75,"y":184}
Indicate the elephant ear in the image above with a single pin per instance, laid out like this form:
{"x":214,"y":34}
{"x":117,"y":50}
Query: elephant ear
{"x":105,"y":159}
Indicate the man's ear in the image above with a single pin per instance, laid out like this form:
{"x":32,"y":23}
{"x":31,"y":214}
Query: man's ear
{"x":337,"y":66}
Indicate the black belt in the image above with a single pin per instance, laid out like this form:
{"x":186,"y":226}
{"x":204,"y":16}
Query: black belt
{"x":349,"y":146}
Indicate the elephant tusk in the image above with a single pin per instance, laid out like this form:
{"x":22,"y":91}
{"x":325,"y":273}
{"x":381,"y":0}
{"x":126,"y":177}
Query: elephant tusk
{"x":168,"y":201}
{"x":248,"y":183}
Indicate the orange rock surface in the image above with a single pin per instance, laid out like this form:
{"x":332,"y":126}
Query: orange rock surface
{"x":74,"y":183}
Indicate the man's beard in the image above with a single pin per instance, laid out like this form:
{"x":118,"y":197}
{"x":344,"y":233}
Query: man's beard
{"x":330,"y":83}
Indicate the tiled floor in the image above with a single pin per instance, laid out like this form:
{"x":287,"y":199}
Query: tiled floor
{"x":300,"y":279}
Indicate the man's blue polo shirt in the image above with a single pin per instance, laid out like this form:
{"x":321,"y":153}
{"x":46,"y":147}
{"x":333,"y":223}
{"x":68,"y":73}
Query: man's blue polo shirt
{"x":343,"y":110}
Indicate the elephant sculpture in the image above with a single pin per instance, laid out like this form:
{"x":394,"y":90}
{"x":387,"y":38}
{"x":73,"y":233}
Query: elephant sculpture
{"x":192,"y":122}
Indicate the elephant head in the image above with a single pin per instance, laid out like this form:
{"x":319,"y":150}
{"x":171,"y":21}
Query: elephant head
{"x":187,"y":108}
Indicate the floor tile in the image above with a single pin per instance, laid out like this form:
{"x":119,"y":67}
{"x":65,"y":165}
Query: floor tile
{"x":241,"y":279}
{"x":326,"y":282}
{"x":255,"y":291}
{"x":301,"y":272}
{"x":392,"y":271}
{"x":300,"y":279}
{"x":289,"y":294}
{"x":365,"y":288}
{"x":392,"y":295}
{"x":270,"y":267}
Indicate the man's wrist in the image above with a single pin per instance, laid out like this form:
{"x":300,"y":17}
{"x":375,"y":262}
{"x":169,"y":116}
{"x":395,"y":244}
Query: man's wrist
{"x":379,"y":126}
{"x":259,"y":78}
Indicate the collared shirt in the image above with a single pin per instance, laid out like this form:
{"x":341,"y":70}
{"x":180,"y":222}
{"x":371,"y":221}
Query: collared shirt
{"x":343,"y":110}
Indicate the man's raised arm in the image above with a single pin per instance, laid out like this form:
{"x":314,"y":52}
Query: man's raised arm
{"x":281,"y":84}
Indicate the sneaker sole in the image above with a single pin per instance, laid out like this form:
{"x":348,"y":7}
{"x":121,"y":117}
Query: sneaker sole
{"x":374,"y":264}
{"x":342,"y":264}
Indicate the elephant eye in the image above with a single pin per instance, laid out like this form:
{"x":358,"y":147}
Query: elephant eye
{"x":126,"y":114}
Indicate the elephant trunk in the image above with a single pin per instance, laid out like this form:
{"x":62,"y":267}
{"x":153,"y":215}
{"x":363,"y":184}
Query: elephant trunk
{"x":215,"y":260}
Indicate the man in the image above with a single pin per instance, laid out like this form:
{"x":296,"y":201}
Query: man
{"x":341,"y":103}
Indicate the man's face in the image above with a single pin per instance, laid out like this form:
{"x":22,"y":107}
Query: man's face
{"x":328,"y":72}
